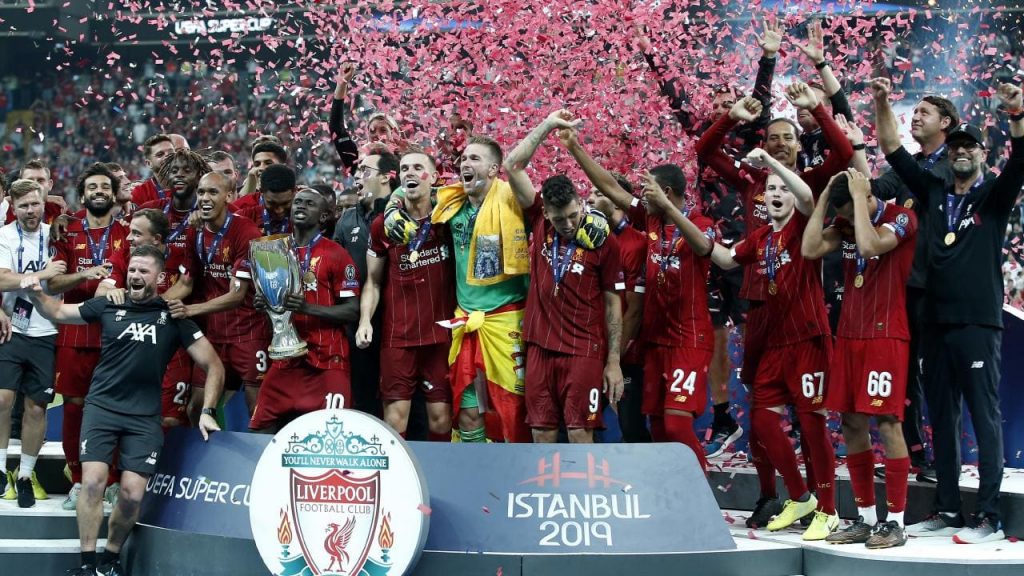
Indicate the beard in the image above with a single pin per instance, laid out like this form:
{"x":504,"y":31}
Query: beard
{"x":962,"y":173}
{"x":99,"y":210}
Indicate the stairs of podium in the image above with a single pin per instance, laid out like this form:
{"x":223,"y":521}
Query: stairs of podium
{"x":42,"y":540}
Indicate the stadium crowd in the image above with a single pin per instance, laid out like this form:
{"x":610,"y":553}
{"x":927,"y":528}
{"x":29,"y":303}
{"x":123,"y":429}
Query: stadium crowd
{"x":496,"y":309}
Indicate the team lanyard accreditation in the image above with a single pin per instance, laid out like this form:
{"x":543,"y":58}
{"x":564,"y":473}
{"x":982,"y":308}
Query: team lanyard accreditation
{"x":21,"y":250}
{"x":96,"y":253}
{"x":207,"y":258}
{"x":954,"y":209}
{"x":933,"y":158}
{"x":559,"y":264}
{"x":862,"y":262}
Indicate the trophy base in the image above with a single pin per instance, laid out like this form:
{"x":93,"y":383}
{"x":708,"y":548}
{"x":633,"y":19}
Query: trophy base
{"x":287,"y":352}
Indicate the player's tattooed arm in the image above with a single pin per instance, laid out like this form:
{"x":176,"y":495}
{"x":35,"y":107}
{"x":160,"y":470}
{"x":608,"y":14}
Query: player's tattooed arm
{"x":613,"y":369}
{"x":517,"y":160}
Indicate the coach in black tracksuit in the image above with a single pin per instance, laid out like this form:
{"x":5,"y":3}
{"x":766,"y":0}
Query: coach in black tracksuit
{"x":963,"y":304}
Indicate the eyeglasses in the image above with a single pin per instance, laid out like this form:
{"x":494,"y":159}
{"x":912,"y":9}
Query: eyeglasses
{"x":969,"y":146}
{"x":365,"y":170}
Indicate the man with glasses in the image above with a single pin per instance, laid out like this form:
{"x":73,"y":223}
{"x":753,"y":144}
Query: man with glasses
{"x":963,"y":303}
{"x":376,"y":176}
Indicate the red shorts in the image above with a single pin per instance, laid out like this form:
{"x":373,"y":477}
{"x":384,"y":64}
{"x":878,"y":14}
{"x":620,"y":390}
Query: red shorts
{"x":675,"y":379}
{"x":177,"y":387}
{"x":294,"y":387}
{"x":563,"y":389}
{"x":755,"y":339}
{"x":869,"y":376}
{"x":244,"y":363}
{"x":73,"y":370}
{"x":402,"y":369}
{"x":794,"y":374}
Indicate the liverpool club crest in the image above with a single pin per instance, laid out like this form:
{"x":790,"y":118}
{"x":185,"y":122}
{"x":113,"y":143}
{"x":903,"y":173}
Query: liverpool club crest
{"x":328,"y":493}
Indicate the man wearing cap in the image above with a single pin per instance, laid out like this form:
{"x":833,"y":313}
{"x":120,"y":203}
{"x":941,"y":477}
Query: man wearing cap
{"x":963,"y":303}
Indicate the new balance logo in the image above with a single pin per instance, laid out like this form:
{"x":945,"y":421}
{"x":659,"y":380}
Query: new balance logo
{"x":152,"y":458}
{"x":139,"y":332}
{"x":978,"y":364}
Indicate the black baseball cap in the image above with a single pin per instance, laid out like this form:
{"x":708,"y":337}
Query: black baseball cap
{"x":966,"y":132}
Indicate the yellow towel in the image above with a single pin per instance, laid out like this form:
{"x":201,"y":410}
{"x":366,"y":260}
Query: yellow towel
{"x":499,"y":227}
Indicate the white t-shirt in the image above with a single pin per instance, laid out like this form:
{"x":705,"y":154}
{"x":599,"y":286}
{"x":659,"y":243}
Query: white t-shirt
{"x":32,"y":260}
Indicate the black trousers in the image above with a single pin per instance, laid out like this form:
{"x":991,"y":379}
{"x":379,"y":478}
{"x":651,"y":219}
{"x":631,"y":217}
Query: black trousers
{"x":962,"y":363}
{"x":631,"y":417}
{"x":913,"y":433}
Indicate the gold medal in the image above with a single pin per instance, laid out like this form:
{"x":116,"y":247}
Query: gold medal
{"x":773,"y":288}
{"x":556,"y":290}
{"x":909,"y":203}
{"x":858,"y":282}
{"x":414,"y":256}
{"x":661,"y":277}
{"x":653,"y":236}
{"x":950,"y":238}
{"x":309,"y":277}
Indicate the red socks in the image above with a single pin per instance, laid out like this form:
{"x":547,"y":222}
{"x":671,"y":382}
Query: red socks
{"x":764,"y":468}
{"x":433,"y":437}
{"x":896,"y":471}
{"x":767,"y":427}
{"x":679,"y":428}
{"x":862,"y":477}
{"x":819,"y":443}
{"x":658,"y":429}
{"x":71,"y":437}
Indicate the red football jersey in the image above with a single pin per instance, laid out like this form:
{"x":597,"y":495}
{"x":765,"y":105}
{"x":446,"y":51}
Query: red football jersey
{"x":878,"y":307}
{"x":267,"y":225}
{"x":50,"y":211}
{"x":149,"y":191}
{"x":676,"y":295}
{"x":633,"y":257}
{"x":415,"y":295}
{"x":798,"y":306}
{"x":228,"y":263}
{"x":573,"y":320}
{"x":178,"y":262}
{"x":81,"y":250}
{"x":247,"y":201}
{"x":336,"y":279}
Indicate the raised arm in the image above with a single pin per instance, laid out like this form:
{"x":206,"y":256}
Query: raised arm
{"x":800,"y":189}
{"x":1011,"y":179}
{"x":694,"y":236}
{"x":814,"y":49}
{"x":818,"y":240}
{"x":11,"y":280}
{"x":709,"y":146}
{"x":598,"y":176}
{"x":856,"y":138}
{"x":520,"y":156}
{"x":871,"y":241}
{"x":886,"y":127}
{"x":340,"y":137}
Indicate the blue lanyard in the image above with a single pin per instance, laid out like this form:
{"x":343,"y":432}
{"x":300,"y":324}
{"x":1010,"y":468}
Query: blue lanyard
{"x":666,"y":256}
{"x":96,"y":253}
{"x":215,"y":245}
{"x":621,"y":225}
{"x":309,"y":252}
{"x":769,"y":256}
{"x":267,"y":228}
{"x":21,"y":249}
{"x":953,"y":211}
{"x":934,"y":157}
{"x":421,"y":236}
{"x":560,"y":265}
{"x":181,"y":225}
{"x":862,"y":262}
{"x":159,"y":191}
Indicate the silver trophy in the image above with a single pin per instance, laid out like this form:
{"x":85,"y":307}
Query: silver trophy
{"x":276,"y":274}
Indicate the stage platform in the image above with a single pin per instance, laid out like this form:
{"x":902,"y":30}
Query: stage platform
{"x":43,"y":540}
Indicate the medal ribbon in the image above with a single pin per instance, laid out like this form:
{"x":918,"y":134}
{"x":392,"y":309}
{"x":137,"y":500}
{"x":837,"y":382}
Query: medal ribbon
{"x":421,"y":236}
{"x":933,"y":158}
{"x":200,"y":241}
{"x":21,"y":249}
{"x":269,"y":230}
{"x":304,"y":266}
{"x":769,"y":256}
{"x":953,"y":211}
{"x":181,"y":225}
{"x":96,"y":253}
{"x":671,"y":245}
{"x":559,"y":265}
